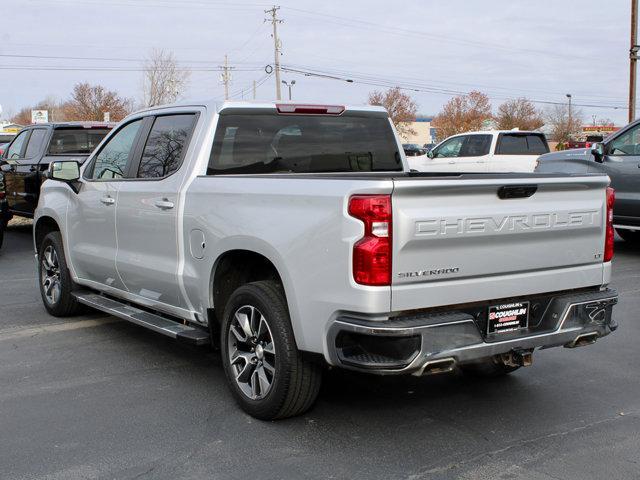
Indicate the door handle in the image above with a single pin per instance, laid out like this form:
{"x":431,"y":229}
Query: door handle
{"x":32,"y":168}
{"x":451,"y":162}
{"x":108,"y":200}
{"x":164,"y":204}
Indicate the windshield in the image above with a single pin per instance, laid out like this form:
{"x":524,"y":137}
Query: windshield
{"x":271,"y":143}
{"x":76,"y":141}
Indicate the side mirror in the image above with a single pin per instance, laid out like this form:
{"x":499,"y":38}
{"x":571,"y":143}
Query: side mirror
{"x":430,"y":153}
{"x":597,"y":150}
{"x":66,"y":171}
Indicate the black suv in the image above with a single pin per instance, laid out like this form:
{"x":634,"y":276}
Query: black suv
{"x":26,"y":160}
{"x":617,"y":156}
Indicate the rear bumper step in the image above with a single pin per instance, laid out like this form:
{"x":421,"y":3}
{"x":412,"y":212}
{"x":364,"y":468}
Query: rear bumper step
{"x":418,"y":343}
{"x":152,"y":321}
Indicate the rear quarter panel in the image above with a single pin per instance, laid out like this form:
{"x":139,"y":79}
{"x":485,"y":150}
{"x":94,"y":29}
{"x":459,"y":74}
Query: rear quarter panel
{"x":301,"y":225}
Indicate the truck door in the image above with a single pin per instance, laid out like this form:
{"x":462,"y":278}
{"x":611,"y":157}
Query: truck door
{"x":12,"y":169}
{"x":91,"y":217}
{"x":147,"y":212}
{"x":27,"y":173}
{"x":622,"y":163}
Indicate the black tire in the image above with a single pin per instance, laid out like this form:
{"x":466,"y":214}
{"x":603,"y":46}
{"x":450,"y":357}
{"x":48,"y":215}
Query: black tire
{"x":294,"y":381}
{"x":489,"y":367}
{"x":631,"y":236}
{"x":62,"y":303}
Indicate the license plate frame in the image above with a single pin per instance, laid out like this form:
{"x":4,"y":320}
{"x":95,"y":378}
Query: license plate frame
{"x":507,"y":317}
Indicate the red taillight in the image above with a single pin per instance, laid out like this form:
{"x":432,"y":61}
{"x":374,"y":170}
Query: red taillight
{"x":609,"y":235}
{"x":372,"y":253}
{"x":297,"y":109}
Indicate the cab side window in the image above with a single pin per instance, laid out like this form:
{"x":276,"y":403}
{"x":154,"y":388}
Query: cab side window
{"x":36,"y":142}
{"x":113,"y":159}
{"x":166,"y":145}
{"x":626,"y":144}
{"x":450,"y":148}
{"x":15,"y":149}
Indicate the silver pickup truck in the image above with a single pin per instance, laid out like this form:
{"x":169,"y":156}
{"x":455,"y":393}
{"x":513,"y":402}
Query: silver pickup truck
{"x":294,"y":236}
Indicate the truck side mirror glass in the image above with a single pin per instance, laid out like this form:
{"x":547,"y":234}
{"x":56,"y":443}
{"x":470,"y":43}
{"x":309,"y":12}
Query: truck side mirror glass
{"x":597,"y":150}
{"x":430,"y":153}
{"x":68,"y":171}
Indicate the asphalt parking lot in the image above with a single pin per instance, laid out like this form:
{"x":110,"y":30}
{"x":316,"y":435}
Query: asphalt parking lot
{"x":95,"y":397}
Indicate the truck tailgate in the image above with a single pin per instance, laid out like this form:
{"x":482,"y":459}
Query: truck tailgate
{"x":457,"y":241}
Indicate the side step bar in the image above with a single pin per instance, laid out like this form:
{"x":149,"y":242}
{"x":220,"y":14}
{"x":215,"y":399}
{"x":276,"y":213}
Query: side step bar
{"x":152,"y":321}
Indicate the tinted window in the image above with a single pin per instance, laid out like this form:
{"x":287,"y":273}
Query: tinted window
{"x":303,"y":143}
{"x":165,"y":146}
{"x":518,"y":144}
{"x":475,"y":146}
{"x":15,"y":150}
{"x":112,"y":161}
{"x":36,"y":141}
{"x":627,"y":143}
{"x":70,"y":141}
{"x":449,"y":148}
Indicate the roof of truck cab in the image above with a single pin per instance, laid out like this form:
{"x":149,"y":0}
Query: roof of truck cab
{"x":218,"y":106}
{"x":73,"y":125}
{"x":497,"y":132}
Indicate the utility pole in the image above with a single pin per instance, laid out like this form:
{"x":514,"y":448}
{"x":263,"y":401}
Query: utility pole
{"x":633,"y":59}
{"x":570,"y":117}
{"x":277,"y":45}
{"x":226,"y":77}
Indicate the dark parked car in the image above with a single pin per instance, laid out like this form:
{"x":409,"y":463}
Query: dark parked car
{"x":413,"y":149}
{"x":619,"y":157}
{"x":26,"y":159}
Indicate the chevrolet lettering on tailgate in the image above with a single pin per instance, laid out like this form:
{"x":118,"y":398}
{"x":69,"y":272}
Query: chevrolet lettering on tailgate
{"x":506,"y":223}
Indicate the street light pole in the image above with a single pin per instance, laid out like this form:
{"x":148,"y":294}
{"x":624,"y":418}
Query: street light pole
{"x":633,"y":59}
{"x":570,"y":117}
{"x":290,"y":85}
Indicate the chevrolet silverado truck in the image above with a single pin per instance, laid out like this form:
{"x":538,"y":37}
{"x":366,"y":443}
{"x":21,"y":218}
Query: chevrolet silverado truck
{"x":25,"y":161}
{"x":292,"y":237}
{"x":618,"y":156}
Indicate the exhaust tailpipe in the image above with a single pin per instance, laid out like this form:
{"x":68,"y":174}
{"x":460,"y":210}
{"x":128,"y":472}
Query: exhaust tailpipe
{"x":583,"y":340}
{"x":437,"y":366}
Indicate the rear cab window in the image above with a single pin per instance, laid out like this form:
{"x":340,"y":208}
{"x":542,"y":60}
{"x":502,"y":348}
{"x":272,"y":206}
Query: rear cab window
{"x":75,"y":140}
{"x":521,"y":144}
{"x":295,"y":143}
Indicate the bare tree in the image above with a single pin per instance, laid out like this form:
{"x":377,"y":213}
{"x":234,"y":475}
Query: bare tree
{"x":518,"y":113}
{"x":463,"y":113}
{"x":163,"y":81}
{"x":401,"y":107}
{"x":561,"y":127}
{"x":90,"y":102}
{"x":50,"y":104}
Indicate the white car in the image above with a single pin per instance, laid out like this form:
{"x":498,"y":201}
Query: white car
{"x":488,"y":151}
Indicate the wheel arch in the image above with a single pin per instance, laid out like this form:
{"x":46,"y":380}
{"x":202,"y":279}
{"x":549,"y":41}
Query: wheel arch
{"x":237,"y":266}
{"x":42,"y":227}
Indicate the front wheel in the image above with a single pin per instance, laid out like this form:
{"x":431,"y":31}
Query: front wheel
{"x":267,"y":375}
{"x":56,"y":284}
{"x":631,"y":236}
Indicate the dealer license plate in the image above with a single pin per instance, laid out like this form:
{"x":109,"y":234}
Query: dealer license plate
{"x":508,"y":317}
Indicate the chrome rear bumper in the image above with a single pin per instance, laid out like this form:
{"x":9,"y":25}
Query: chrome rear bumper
{"x":413,"y":343}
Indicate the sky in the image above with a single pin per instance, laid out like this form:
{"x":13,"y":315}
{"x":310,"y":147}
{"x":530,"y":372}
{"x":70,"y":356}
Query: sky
{"x":435,"y":49}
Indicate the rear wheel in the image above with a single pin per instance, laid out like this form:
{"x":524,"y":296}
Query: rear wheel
{"x":631,"y":236}
{"x":56,"y":284}
{"x":266,"y":373}
{"x":488,"y":367}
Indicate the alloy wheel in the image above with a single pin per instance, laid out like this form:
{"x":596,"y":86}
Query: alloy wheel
{"x":50,"y":275}
{"x":251,"y":352}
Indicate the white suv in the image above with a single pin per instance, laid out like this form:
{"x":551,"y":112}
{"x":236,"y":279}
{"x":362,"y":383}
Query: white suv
{"x":488,"y":151}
